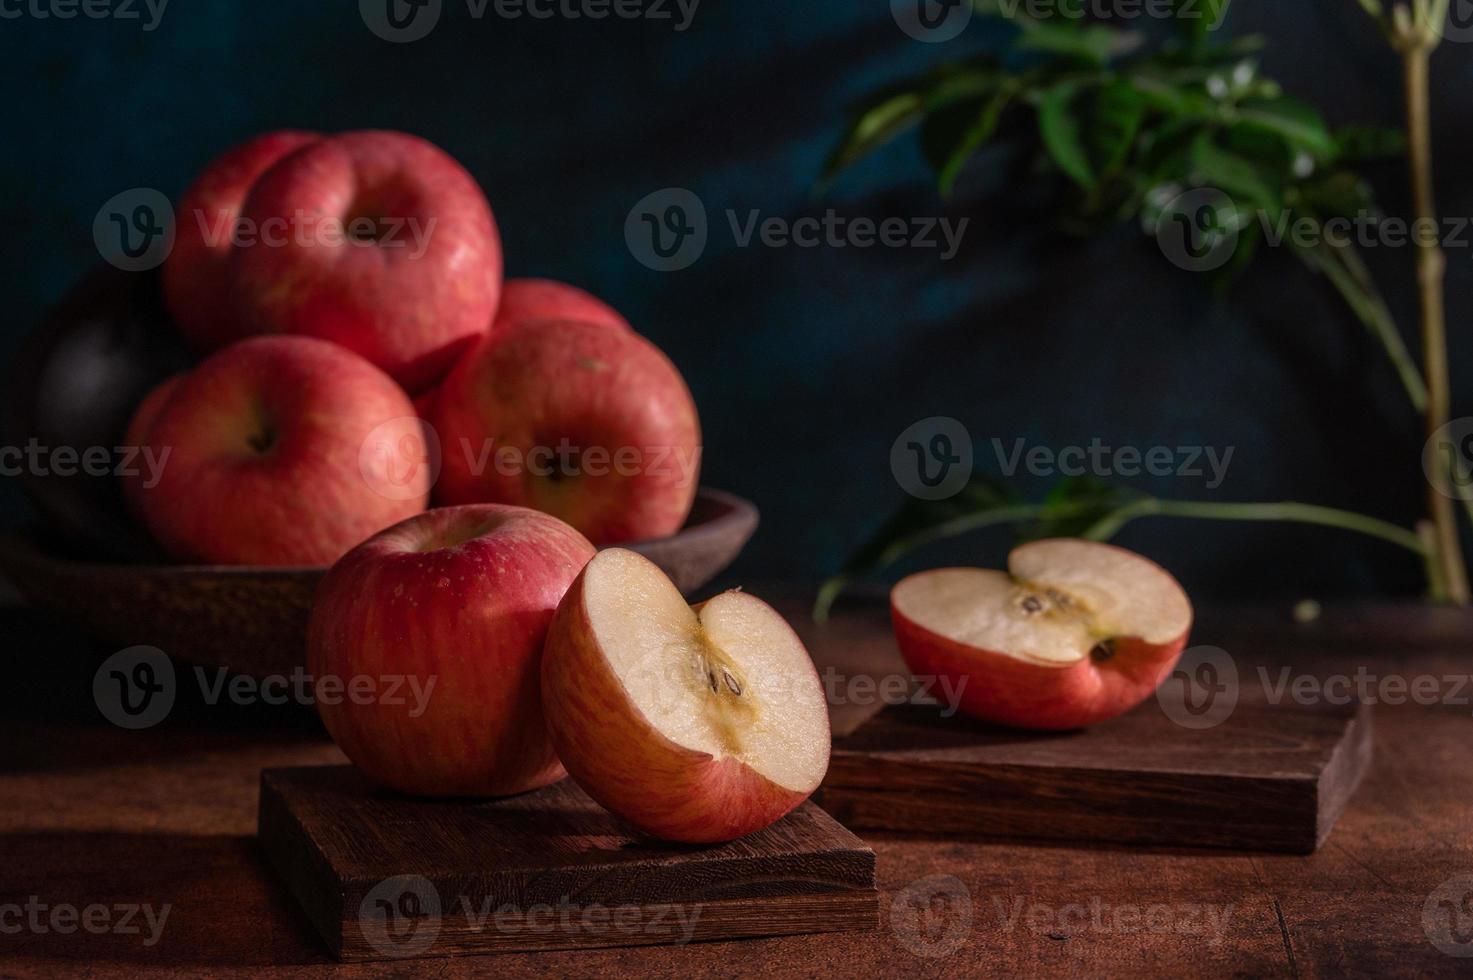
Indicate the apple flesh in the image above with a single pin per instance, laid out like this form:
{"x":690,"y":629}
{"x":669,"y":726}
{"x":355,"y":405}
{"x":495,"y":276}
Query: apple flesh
{"x":1076,"y":632}
{"x":382,"y":243}
{"x":548,"y":299}
{"x":196,"y":275}
{"x":461,"y":597}
{"x":592,"y":425}
{"x":692,"y":724}
{"x":265,"y":459}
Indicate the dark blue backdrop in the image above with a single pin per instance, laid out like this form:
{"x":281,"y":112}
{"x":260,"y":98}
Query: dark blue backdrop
{"x":806,"y":362}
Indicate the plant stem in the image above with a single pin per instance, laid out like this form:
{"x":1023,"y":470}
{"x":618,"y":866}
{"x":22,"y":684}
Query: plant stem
{"x":1345,"y":271}
{"x":1431,"y":270}
{"x":831,"y":589}
{"x":1272,"y":512}
{"x":1148,"y":507}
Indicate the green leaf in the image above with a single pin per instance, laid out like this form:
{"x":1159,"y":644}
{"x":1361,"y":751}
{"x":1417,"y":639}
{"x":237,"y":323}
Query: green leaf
{"x":1094,"y":43}
{"x":1167,"y":153}
{"x":1337,"y":194}
{"x":1174,"y":98}
{"x":1213,"y":166}
{"x":879,"y":123}
{"x":1269,"y":151}
{"x":1118,"y":111}
{"x":1060,"y":128}
{"x":1361,"y":143}
{"x":963,"y":82}
{"x":1298,"y":122}
{"x":1076,"y":504}
{"x":1250,"y":237}
{"x":949,"y":138}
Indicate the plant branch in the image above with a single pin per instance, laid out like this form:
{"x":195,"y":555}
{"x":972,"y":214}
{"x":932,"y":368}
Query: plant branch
{"x":1431,"y":272}
{"x":1286,"y":511}
{"x":1345,"y":271}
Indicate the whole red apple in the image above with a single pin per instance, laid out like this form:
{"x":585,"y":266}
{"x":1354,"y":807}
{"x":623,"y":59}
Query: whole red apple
{"x":196,"y":275}
{"x":548,"y":299}
{"x":592,"y":425}
{"x":378,"y":241}
{"x":265,"y":455}
{"x":1076,"y":632}
{"x":459,"y":598}
{"x":693,"y":724}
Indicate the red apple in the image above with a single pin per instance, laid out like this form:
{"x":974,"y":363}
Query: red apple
{"x":196,"y":275}
{"x":459,"y":598}
{"x":377,"y":241}
{"x":548,"y":299}
{"x":591,"y":425}
{"x":1075,"y":632}
{"x":695,"y":725}
{"x":269,"y":455}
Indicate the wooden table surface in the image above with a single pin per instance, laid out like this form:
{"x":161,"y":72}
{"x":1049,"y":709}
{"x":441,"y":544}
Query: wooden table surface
{"x":92,"y":815}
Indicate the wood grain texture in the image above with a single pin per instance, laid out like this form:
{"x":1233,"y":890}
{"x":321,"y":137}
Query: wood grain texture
{"x":383,"y":876}
{"x":168,"y":815}
{"x":1268,"y":779}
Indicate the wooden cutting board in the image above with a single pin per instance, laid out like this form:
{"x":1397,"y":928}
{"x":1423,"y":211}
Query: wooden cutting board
{"x":1261,"y":776}
{"x":1267,"y":779}
{"x":383,"y":876}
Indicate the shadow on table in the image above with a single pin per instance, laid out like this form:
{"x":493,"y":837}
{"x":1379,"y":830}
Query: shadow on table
{"x":155,"y":899}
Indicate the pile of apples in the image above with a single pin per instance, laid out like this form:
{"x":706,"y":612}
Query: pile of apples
{"x":694,"y":724}
{"x":345,"y":287}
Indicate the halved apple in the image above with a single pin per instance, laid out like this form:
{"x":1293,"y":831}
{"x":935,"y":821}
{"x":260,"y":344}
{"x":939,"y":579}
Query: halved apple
{"x":693,"y":724}
{"x":1074,"y":632}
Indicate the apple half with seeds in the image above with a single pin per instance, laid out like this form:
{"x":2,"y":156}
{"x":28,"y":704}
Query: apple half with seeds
{"x":697,"y":724}
{"x":1074,"y":633}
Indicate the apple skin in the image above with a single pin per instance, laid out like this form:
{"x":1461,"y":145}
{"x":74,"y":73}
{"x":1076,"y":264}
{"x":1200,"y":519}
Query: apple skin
{"x":303,"y":499}
{"x":410,"y":306}
{"x":471,"y":612}
{"x":196,"y":275}
{"x":548,"y":299}
{"x":544,"y":381}
{"x":627,"y":765}
{"x":1008,"y":691}
{"x":148,"y":410}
